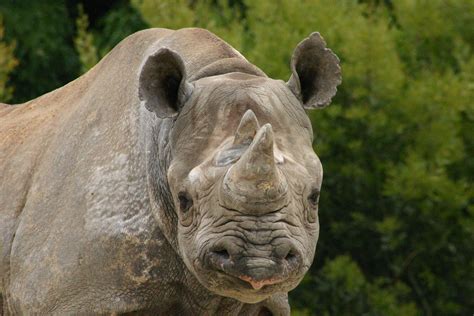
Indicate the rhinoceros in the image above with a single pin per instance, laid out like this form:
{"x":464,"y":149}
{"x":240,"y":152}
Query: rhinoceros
{"x":173,"y":178}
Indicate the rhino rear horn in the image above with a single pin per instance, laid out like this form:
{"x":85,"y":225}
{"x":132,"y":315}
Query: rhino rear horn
{"x":315,"y":72}
{"x":162,"y":83}
{"x":247,"y":129}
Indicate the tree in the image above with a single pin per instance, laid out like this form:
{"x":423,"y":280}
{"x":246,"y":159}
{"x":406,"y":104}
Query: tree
{"x":8,"y":62}
{"x":219,"y":16}
{"x":84,"y":42}
{"x":94,"y":43}
{"x":43,"y":34}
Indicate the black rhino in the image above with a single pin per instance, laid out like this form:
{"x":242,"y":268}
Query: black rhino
{"x":173,"y":178}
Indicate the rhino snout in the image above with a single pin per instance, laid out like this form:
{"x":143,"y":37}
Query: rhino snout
{"x":257,"y":270}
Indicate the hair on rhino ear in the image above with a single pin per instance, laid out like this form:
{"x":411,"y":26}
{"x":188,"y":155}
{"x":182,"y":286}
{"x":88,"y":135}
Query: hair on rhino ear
{"x":162,"y":83}
{"x":315,"y":72}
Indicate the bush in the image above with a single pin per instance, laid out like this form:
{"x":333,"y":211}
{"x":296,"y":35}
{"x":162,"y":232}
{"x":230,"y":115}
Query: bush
{"x":43,"y":34}
{"x":7,"y":64}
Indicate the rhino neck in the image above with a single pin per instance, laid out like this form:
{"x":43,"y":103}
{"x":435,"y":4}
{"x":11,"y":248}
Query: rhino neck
{"x":158,"y":158}
{"x":225,"y":66}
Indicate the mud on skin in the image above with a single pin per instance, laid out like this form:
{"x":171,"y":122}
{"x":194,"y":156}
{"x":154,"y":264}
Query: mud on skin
{"x":173,"y":178}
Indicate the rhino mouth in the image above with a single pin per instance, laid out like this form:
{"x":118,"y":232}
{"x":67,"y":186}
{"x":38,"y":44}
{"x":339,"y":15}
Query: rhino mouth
{"x":267,"y":277}
{"x":260,"y":270}
{"x":232,"y":266}
{"x":230,"y":285}
{"x":238,"y":286}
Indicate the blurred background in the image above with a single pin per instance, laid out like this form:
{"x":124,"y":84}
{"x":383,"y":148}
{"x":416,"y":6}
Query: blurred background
{"x":397,"y":143}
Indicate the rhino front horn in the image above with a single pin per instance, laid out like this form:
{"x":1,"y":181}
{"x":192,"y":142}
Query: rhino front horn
{"x":254,"y":183}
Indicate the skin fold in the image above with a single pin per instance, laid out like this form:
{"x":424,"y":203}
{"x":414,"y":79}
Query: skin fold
{"x":173,"y":178}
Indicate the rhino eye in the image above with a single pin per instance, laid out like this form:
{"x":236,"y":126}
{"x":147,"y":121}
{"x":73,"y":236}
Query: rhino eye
{"x":185,"y":202}
{"x":313,"y":198}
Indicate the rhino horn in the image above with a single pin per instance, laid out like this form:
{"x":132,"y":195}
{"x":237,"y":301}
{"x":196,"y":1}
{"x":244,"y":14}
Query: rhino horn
{"x":247,"y":129}
{"x":258,"y":160}
{"x":255,"y":183}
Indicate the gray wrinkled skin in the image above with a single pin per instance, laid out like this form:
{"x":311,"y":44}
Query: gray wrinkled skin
{"x":174,"y":178}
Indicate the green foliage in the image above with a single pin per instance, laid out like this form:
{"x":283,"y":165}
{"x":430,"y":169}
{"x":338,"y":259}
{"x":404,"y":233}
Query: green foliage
{"x":217,"y":16}
{"x":433,"y":31}
{"x":84,"y":42}
{"x":341,"y":288}
{"x":117,"y":24}
{"x":171,"y":14}
{"x":43,"y":33}
{"x":113,"y":27}
{"x":7,"y":64}
{"x":397,"y":214}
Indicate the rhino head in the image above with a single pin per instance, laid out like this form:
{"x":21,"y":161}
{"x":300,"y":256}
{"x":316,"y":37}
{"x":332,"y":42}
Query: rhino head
{"x":240,"y":172}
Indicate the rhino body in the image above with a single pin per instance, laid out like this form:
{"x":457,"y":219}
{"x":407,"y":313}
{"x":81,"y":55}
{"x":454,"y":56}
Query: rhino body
{"x":93,"y":218}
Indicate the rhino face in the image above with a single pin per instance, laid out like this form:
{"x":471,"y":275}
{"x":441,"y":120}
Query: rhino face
{"x":247,"y":206}
{"x":244,"y":178}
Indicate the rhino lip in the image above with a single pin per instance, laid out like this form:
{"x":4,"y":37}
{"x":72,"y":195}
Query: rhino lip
{"x":258,"y":284}
{"x":249,"y":283}
{"x":225,"y":269}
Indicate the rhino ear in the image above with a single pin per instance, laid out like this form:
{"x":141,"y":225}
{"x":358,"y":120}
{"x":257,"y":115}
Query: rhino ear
{"x":315,"y":72}
{"x":162,"y":83}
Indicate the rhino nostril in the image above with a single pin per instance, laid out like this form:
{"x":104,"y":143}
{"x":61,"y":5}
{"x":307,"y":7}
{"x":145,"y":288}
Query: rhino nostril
{"x":223,"y":254}
{"x":264,"y":312}
{"x":290,"y":256}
